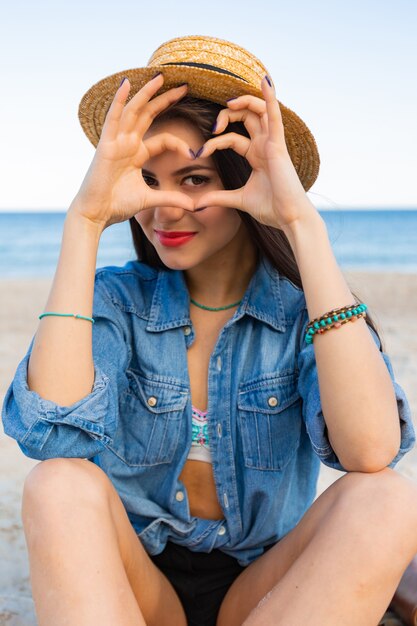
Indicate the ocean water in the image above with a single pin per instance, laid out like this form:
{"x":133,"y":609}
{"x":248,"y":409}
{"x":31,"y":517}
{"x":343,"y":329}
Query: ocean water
{"x":375,"y":240}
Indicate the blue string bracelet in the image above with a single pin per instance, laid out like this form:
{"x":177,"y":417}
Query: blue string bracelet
{"x":81,"y":317}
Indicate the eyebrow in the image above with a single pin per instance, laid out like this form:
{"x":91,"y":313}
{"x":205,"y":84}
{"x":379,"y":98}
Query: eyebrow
{"x":183,"y":170}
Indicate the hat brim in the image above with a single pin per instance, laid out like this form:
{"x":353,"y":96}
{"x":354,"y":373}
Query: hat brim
{"x":208,"y":85}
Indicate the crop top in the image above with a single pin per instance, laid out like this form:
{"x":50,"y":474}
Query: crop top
{"x":200,"y":447}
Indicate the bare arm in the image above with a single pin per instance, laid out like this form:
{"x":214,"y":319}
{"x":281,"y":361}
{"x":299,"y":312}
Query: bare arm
{"x":356,"y":391}
{"x":61,"y":365}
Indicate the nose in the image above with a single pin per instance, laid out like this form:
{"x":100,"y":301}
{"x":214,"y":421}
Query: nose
{"x":166,"y":214}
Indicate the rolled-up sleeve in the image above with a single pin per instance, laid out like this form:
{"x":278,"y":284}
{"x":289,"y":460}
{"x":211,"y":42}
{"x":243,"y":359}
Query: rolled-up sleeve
{"x":44,"y":429}
{"x":308,"y":385}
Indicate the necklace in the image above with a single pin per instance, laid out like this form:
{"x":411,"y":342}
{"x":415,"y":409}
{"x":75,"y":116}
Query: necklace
{"x":215,"y":308}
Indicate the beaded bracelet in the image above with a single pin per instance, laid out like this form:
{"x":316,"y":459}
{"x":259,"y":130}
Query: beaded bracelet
{"x":334,"y":319}
{"x":81,"y":317}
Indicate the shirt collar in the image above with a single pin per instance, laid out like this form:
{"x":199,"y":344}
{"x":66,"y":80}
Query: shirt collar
{"x":262,"y":300}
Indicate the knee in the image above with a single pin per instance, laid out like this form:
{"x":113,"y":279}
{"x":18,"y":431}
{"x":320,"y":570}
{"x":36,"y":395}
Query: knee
{"x":386,"y":493}
{"x":54,"y":483}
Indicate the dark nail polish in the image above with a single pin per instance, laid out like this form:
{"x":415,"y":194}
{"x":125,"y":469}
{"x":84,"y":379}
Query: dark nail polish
{"x":198,"y":153}
{"x":156,"y":75}
{"x":192,"y":153}
{"x":231,"y":99}
{"x":214,"y":127}
{"x":268,"y":80}
{"x":123,"y":80}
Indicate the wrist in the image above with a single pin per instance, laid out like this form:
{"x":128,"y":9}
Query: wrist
{"x":309,"y":228}
{"x":75,"y":216}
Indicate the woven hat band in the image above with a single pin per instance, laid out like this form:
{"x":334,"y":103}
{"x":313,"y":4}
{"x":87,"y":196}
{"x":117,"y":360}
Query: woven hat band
{"x":211,"y":51}
{"x":208,"y":67}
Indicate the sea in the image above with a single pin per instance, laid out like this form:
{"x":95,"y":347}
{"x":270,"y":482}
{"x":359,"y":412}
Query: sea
{"x":361,"y":239}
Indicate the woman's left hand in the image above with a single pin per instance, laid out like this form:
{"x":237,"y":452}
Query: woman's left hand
{"x":273,"y":194}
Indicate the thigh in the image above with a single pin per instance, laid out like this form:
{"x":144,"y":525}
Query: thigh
{"x":80,"y":478}
{"x":352,"y":492}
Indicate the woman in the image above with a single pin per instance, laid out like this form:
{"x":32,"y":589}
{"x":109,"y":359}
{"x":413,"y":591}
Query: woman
{"x":181,"y":427}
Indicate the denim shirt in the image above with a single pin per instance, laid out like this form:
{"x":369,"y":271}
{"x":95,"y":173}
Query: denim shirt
{"x":266,"y":426}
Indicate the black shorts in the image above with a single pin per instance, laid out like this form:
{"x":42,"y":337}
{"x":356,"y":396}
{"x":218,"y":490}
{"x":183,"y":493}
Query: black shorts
{"x":201,"y":579}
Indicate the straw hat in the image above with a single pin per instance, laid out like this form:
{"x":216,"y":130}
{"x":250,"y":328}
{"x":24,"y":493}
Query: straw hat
{"x":215,"y":70}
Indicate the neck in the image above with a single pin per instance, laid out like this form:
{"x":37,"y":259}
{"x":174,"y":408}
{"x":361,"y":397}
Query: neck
{"x":223,"y":278}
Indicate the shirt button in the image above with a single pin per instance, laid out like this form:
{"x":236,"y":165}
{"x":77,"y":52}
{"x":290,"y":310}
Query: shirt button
{"x":219,"y":363}
{"x":272,"y":401}
{"x":179,"y":496}
{"x":221,"y":530}
{"x":219,"y":430}
{"x":152,"y":401}
{"x":187,"y":330}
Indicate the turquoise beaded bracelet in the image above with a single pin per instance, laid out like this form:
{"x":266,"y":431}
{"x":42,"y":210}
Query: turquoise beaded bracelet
{"x":334,"y":319}
{"x":81,"y":317}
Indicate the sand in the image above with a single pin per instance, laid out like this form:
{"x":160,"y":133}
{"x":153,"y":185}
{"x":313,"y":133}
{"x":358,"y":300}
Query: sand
{"x":392,"y":301}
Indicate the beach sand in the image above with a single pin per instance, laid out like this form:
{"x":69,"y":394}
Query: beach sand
{"x":392,"y":301}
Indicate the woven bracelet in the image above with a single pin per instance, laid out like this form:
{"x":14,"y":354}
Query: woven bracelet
{"x":81,"y":317}
{"x":348,"y":310}
{"x":334,"y":319}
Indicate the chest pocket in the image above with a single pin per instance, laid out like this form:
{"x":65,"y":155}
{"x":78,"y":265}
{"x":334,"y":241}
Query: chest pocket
{"x":150,"y":418}
{"x":269,"y":417}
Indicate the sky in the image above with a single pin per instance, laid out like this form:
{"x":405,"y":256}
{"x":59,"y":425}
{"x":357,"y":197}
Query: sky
{"x":346,"y":68}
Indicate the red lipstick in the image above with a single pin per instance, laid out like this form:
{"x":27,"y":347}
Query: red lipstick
{"x":174,"y":233}
{"x":172,"y":239}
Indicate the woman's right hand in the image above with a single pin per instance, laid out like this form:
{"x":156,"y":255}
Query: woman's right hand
{"x":113,"y":189}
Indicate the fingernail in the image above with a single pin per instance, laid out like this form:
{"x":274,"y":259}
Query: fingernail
{"x":214,"y":127}
{"x":123,"y":80}
{"x":197,"y":154}
{"x":183,"y":85}
{"x":156,"y":75}
{"x":268,"y":80}
{"x":231,"y":99}
{"x":192,"y":153}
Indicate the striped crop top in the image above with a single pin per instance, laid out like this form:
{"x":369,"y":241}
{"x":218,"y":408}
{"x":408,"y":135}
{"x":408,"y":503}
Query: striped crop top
{"x":200,"y":447}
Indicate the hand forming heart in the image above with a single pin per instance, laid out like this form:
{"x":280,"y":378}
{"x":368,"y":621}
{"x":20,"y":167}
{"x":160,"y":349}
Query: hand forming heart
{"x":273,"y":194}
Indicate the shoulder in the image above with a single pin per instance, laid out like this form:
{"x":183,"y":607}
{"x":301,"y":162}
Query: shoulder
{"x":290,"y":292}
{"x":130,"y":287}
{"x":136,"y":270}
{"x":276,"y":295}
{"x":293,"y":300}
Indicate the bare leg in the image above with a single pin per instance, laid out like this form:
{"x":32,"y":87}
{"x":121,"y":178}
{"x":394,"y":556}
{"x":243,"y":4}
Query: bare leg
{"x":87,"y":565}
{"x":358,"y":539}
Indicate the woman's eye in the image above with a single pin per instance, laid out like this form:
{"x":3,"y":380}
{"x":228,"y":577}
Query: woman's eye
{"x":197,"y":180}
{"x":200,"y":179}
{"x":148,"y":180}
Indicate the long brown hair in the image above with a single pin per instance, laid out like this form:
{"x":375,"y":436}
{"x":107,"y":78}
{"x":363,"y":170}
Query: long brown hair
{"x":234,"y":170}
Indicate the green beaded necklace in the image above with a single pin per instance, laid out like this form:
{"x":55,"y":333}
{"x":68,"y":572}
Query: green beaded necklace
{"x":215,"y":308}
